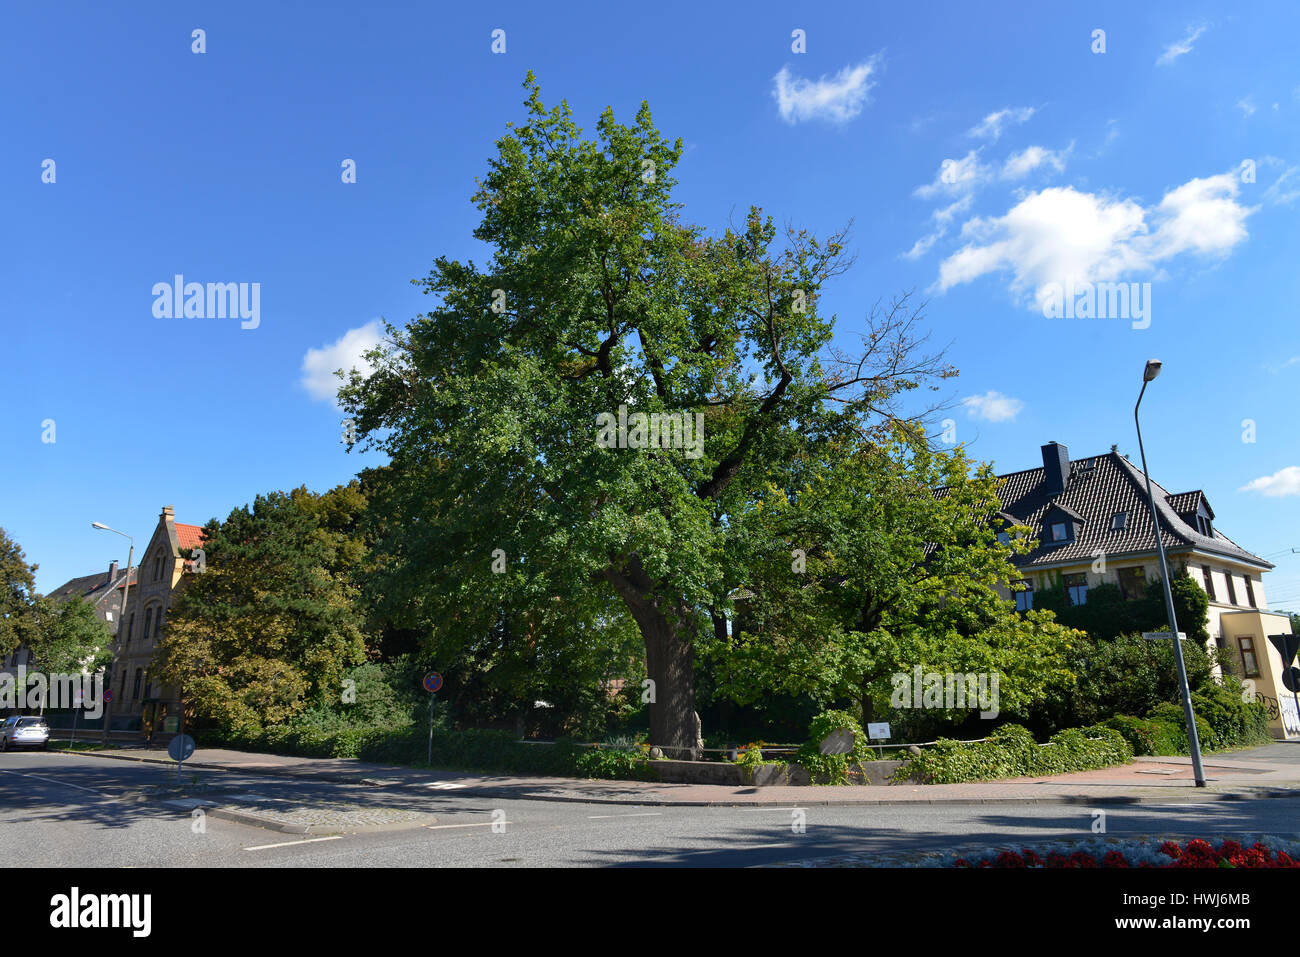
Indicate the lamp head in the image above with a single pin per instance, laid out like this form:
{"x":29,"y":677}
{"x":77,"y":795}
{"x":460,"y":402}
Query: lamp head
{"x":1152,"y":370}
{"x":98,"y":525}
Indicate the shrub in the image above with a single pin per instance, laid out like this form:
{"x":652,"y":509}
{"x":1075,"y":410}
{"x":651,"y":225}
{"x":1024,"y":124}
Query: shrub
{"x":1149,"y":736}
{"x":1010,"y":751}
{"x":832,"y":768}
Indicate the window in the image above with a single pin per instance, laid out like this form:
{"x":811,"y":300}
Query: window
{"x":1076,"y":586}
{"x":1204,"y":527}
{"x":1133,"y":582}
{"x":1118,"y":521}
{"x":148,"y":622}
{"x":157,"y":625}
{"x":1248,"y":660}
{"x":1232,"y":589}
{"x":1059,"y":532}
{"x":130,"y":628}
{"x":1024,"y":591}
{"x":135,"y":693}
{"x":121,"y":692}
{"x":1250,"y":591}
{"x":1209,"y":581}
{"x":1004,"y":538}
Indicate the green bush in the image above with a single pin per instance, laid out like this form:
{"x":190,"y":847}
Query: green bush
{"x":1149,"y":736}
{"x":1011,"y":751}
{"x":832,"y":768}
{"x":1172,"y":715}
{"x":1234,"y":722}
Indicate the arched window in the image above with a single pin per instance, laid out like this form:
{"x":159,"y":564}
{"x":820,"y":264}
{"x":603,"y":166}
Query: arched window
{"x":139,"y":676}
{"x":121,"y":692}
{"x":157,"y":625}
{"x":148,"y":622}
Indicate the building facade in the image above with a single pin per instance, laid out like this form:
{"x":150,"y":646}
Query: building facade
{"x":140,"y":704}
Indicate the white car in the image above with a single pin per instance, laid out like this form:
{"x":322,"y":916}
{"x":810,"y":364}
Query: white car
{"x":24,"y":731}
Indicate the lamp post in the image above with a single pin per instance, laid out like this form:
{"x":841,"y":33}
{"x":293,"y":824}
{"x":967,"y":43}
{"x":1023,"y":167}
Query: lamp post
{"x":1152,"y":370}
{"x":126,"y":593}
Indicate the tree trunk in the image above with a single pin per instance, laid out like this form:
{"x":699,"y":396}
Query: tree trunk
{"x":670,"y":662}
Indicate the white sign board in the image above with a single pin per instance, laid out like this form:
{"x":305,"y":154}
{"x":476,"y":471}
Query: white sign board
{"x":1290,"y":719}
{"x":1162,"y":635}
{"x":878,"y":731}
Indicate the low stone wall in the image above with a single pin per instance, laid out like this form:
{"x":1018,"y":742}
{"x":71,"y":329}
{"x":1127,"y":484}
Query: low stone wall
{"x":766,"y":775}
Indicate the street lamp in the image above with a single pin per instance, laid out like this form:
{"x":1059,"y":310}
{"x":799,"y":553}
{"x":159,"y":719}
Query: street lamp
{"x":126,"y":593}
{"x":1148,"y":374}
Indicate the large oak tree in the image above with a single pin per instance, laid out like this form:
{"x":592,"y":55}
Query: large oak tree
{"x":597,"y":295}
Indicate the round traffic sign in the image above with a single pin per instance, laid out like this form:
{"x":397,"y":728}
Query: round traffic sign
{"x":1291,"y":678}
{"x":432,"y":682}
{"x":180,"y":747}
{"x":108,"y":695}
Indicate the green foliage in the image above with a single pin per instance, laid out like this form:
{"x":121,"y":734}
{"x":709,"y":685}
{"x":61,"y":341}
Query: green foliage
{"x":832,"y":768}
{"x":895,"y":576}
{"x":1171,"y":717}
{"x":70,"y":637}
{"x":1010,"y":751}
{"x":1150,"y":735}
{"x":1234,"y":721}
{"x":1107,"y":614}
{"x":596,"y":295}
{"x":274,"y":623}
{"x":17,"y":595}
{"x":1125,"y":675}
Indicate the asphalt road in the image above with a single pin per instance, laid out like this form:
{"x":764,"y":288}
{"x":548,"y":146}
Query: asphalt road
{"x":75,"y":811}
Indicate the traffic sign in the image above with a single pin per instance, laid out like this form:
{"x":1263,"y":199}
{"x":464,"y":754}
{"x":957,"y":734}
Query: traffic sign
{"x":180,"y":747}
{"x":108,"y":695}
{"x":432,"y":682}
{"x":1162,"y":635}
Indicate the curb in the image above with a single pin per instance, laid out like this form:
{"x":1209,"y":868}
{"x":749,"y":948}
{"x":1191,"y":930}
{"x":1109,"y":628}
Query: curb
{"x":1188,"y":797}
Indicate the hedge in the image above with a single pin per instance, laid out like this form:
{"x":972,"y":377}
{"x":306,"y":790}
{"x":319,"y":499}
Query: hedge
{"x":471,"y":750}
{"x":1011,"y":752}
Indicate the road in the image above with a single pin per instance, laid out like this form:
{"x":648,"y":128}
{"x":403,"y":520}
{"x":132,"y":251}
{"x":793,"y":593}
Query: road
{"x":76,"y":811}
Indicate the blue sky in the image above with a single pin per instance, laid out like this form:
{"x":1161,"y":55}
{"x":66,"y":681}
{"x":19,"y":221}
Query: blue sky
{"x":985,"y":153}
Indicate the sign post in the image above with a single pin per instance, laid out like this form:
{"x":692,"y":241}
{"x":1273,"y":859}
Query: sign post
{"x":880,"y":732}
{"x":432,"y":682}
{"x":72,"y":744}
{"x":1287,"y":645}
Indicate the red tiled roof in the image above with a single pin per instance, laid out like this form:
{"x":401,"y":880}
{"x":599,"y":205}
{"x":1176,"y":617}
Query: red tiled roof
{"x":189,"y":536}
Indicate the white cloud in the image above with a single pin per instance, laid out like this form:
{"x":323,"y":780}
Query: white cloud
{"x":955,"y":176}
{"x":1019,"y":165}
{"x":1246,"y":105}
{"x":990,"y":128}
{"x":838,"y":99}
{"x":345,"y":353}
{"x":1278,"y":194}
{"x":1179,"y":47}
{"x":1282,"y":482}
{"x":1060,"y":235}
{"x":992,"y":407}
{"x":943,"y":219}
{"x":1294,"y":360}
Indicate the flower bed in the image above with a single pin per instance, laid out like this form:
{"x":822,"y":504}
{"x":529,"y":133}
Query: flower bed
{"x":1270,"y":852}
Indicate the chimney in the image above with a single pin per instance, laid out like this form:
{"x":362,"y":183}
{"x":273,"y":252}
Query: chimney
{"x":1056,"y":467}
{"x":168,"y":512}
{"x":112,"y":573}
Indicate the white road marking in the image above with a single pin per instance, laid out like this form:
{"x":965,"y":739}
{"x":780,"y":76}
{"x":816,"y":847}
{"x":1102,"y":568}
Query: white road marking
{"x":445,"y":785}
{"x":68,"y":784}
{"x":310,"y":840}
{"x":440,"y":827}
{"x":597,"y":817}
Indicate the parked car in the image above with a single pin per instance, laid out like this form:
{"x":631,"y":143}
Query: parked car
{"x":24,"y":731}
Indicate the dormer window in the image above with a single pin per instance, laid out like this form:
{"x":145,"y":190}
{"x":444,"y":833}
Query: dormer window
{"x":1060,"y":532}
{"x":1004,"y":538}
{"x":1118,"y":521}
{"x":1204,"y":527}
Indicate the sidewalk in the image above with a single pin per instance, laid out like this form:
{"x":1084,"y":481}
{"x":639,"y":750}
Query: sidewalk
{"x":1255,"y":773}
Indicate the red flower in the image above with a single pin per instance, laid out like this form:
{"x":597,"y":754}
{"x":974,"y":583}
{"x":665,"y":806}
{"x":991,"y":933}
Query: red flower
{"x":1114,"y":859}
{"x":1009,"y":859}
{"x":1171,"y":849}
{"x":1031,"y":859}
{"x":1080,"y":859}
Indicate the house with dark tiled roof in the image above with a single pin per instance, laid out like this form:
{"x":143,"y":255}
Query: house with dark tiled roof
{"x":103,"y":591}
{"x":1092,"y":521}
{"x":140,"y":705}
